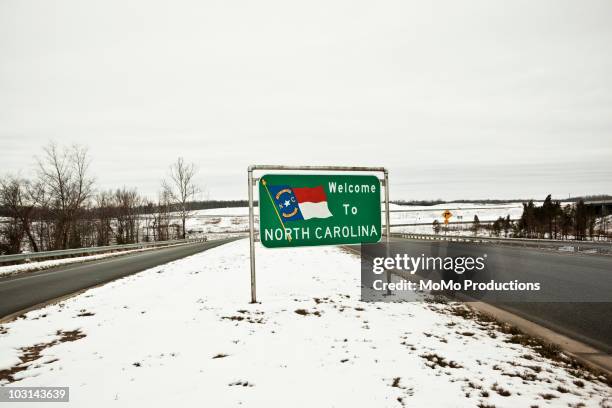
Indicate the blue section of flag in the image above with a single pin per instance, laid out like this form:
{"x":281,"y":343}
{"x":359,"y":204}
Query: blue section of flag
{"x":286,"y":203}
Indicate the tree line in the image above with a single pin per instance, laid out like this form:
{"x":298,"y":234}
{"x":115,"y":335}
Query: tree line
{"x":550,"y":220}
{"x":60,"y":207}
{"x":594,"y":197}
{"x":553,"y":221}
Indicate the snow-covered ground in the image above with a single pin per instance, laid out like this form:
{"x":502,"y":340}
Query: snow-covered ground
{"x":218,"y":220}
{"x":461,"y":212}
{"x":184,"y":334}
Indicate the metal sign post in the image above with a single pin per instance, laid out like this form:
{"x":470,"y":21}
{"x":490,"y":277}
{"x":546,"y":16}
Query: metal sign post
{"x":252,"y":236}
{"x":306,"y":210}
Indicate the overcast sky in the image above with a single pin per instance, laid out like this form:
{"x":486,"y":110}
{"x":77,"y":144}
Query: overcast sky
{"x":478,"y":99}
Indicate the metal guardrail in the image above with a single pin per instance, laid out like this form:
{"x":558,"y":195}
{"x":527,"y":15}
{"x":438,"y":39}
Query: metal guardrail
{"x":569,"y":245}
{"x":418,"y":224}
{"x":458,"y":208}
{"x":93,"y":250}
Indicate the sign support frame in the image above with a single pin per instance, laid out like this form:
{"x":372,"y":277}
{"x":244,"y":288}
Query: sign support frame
{"x":252,"y":181}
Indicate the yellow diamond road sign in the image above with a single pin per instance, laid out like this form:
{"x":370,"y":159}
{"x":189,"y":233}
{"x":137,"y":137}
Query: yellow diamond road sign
{"x":446,"y":214}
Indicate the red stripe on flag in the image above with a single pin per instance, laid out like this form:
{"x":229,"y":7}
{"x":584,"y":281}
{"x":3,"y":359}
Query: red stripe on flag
{"x":310,"y":194}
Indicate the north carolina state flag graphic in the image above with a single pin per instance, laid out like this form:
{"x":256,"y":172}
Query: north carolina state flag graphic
{"x":300,"y":203}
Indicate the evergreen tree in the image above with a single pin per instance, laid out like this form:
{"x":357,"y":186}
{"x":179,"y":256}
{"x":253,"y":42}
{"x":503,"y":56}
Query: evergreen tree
{"x":507,"y":225}
{"x":547,"y":215}
{"x":497,"y":226}
{"x":527,"y":223}
{"x":580,"y":220}
{"x":567,"y":220}
{"x":476,"y":225}
{"x":436,"y":227}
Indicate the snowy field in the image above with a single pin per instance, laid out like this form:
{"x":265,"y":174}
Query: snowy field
{"x":184,"y":334}
{"x":221,"y":220}
{"x":461,"y":212}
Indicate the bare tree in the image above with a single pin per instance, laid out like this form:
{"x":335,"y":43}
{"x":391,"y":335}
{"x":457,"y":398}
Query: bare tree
{"x":20,"y":197}
{"x":64,"y":173}
{"x":161,"y":217}
{"x":11,"y":235}
{"x":181,"y":188}
{"x":127,"y":204}
{"x":104,"y":214}
{"x":149,"y":219}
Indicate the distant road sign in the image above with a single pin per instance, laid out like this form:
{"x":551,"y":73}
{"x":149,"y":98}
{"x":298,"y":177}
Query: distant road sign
{"x":447,"y":214}
{"x":306,"y":210}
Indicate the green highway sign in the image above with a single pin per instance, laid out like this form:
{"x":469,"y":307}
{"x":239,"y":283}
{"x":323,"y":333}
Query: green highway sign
{"x":306,"y":210}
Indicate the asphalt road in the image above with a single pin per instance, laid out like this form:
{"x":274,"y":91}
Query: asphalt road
{"x":26,"y":290}
{"x":576,"y":290}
